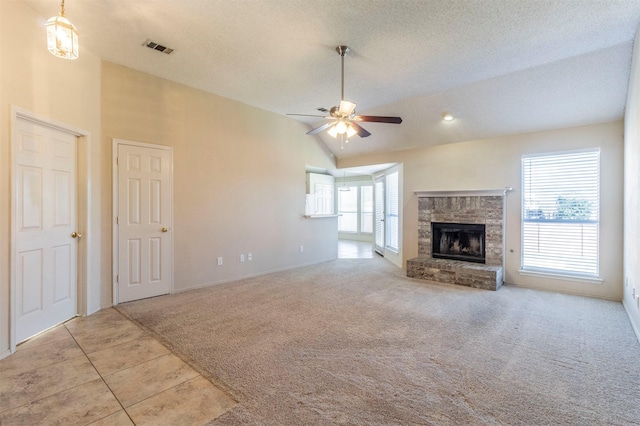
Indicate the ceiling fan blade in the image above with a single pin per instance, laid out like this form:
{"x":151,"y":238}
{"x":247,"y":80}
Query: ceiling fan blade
{"x":346,"y":108}
{"x":309,"y":115}
{"x":360,"y":130}
{"x":319,"y":129}
{"x":377,"y":119}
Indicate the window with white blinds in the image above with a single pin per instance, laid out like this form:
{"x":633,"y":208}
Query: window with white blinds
{"x":560,"y":213}
{"x":366,"y":209}
{"x":378,"y":196}
{"x":348,"y":208}
{"x":355,"y":206}
{"x":392,"y":209}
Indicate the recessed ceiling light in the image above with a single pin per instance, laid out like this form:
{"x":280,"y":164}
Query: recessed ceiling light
{"x":447,"y":117}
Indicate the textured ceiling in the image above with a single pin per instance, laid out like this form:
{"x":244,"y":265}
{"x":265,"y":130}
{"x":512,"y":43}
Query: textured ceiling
{"x":499,"y":66}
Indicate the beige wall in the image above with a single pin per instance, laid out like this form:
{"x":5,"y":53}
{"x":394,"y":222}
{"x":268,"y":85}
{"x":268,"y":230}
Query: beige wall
{"x":496,"y":163}
{"x":60,"y":90}
{"x":239,"y":178}
{"x":631,"y":189}
{"x":239,"y":172}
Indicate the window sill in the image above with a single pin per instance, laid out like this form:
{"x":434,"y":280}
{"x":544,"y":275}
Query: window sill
{"x":319,"y":216}
{"x":560,"y":276}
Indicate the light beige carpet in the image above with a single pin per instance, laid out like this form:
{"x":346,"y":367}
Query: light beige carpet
{"x":356,"y":342}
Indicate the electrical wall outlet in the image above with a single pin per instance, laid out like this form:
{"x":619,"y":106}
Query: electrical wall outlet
{"x":219,"y":261}
{"x":242,"y":258}
{"x":250,"y":256}
{"x":301,"y":249}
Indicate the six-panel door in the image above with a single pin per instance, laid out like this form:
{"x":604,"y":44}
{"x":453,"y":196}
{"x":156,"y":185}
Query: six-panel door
{"x":46,"y":253}
{"x":144,"y":221}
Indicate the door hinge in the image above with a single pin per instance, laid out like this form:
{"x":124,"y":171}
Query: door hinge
{"x":117,"y":161}
{"x":117,"y":278}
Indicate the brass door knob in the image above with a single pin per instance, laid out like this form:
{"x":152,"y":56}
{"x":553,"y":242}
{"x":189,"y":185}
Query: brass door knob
{"x":165,"y":229}
{"x":76,"y":235}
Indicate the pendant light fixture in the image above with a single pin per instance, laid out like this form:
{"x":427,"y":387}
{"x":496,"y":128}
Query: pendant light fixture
{"x":62,"y":36}
{"x":344,"y":187}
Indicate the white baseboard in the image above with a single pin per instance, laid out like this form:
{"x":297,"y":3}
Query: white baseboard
{"x":271,"y":271}
{"x":559,"y":291}
{"x":5,"y":354}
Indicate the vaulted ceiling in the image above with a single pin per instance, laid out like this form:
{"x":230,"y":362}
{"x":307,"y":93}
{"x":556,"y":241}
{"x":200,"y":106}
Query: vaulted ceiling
{"x":499,"y":66}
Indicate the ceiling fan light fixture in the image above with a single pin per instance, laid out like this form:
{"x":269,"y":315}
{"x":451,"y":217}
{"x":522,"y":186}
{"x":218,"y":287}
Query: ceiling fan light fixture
{"x":341,"y":127}
{"x":350,"y":131}
{"x":343,"y":120}
{"x":346,"y":108}
{"x":62,"y":36}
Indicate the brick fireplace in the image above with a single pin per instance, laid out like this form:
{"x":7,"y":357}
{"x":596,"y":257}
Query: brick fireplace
{"x":460,"y":211}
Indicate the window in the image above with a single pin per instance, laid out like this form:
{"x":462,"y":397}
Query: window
{"x":353,"y":219}
{"x":366,"y":209}
{"x":379,"y":213}
{"x":560,"y":213}
{"x":392,"y":209}
{"x":348,"y":209}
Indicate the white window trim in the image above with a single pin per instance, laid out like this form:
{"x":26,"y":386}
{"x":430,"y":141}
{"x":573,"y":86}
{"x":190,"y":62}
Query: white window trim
{"x":395,"y":250}
{"x":530,"y":272}
{"x":552,"y":273}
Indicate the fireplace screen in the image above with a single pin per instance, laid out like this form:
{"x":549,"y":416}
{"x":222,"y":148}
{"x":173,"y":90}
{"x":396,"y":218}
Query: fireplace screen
{"x":458,"y":241}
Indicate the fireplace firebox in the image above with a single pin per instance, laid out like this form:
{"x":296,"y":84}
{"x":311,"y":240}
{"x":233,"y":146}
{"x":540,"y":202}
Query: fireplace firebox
{"x":458,"y":241}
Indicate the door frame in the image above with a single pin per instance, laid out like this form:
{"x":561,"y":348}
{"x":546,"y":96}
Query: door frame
{"x":114,"y":202}
{"x":379,"y":178}
{"x":390,"y":254}
{"x":83,"y":209}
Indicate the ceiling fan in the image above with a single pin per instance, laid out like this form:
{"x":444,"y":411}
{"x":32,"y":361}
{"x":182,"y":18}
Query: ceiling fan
{"x":343,"y":118}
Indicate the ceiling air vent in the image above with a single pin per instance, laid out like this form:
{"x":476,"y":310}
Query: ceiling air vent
{"x":155,"y":46}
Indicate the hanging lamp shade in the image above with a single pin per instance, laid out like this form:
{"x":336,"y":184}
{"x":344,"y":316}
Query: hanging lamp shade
{"x":350,"y":130}
{"x":62,"y":36}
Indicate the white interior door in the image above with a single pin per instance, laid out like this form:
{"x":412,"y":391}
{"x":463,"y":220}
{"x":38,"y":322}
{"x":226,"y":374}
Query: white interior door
{"x":379,"y":203}
{"x":45,"y":219}
{"x":144,"y":222}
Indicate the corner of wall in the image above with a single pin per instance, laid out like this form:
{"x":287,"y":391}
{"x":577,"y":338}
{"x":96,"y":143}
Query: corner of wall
{"x":631,"y":250}
{"x":630,"y":313}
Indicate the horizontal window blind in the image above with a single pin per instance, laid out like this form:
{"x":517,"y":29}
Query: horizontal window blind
{"x":379,"y":214}
{"x":560,"y":212}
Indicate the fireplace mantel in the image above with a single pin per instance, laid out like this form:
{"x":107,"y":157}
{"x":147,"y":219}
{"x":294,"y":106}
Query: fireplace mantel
{"x":464,"y":193}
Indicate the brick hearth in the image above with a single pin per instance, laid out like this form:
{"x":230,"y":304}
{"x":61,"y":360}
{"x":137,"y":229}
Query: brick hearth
{"x":455,"y":272}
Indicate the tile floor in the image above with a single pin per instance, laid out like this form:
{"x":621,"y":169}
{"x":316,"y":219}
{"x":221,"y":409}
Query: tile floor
{"x":103,"y":370}
{"x":348,"y":249}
